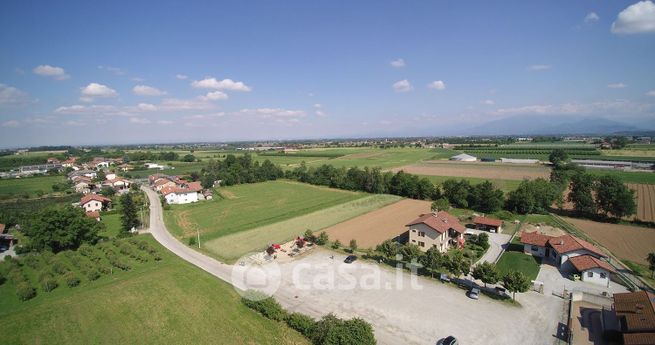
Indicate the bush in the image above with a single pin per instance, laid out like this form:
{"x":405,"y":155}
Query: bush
{"x":48,"y":282}
{"x":71,"y":279}
{"x":58,"y":267}
{"x":92,"y":274}
{"x":193,"y":241}
{"x":265,"y":306}
{"x":504,"y":215}
{"x":301,"y":323}
{"x":332,"y":330}
{"x":25,"y":291}
{"x":322,"y":238}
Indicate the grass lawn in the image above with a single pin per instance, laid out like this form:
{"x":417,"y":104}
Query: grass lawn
{"x":112,"y":225}
{"x":518,"y":261}
{"x":29,"y":185}
{"x":248,"y":206}
{"x":505,"y":185}
{"x":233,"y":246}
{"x":169,"y":301}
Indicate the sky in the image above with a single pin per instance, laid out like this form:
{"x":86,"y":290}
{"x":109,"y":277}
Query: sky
{"x":121,"y":72}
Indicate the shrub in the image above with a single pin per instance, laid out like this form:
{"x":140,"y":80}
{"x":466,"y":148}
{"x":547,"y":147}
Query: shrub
{"x":16,"y":276}
{"x":31,"y":261}
{"x":332,"y":330}
{"x":322,"y":238}
{"x":72,"y":279}
{"x":193,"y":241}
{"x":504,"y":215}
{"x":48,"y":282}
{"x":301,"y":323}
{"x":58,"y":267}
{"x":266,"y":306}
{"x":25,"y":291}
{"x":92,"y":274}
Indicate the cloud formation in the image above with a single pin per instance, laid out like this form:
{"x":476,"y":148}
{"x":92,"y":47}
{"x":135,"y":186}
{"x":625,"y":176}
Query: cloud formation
{"x":145,"y":90}
{"x":402,"y":86}
{"x":11,"y":96}
{"x":225,"y":84}
{"x":398,"y":63}
{"x":539,"y":67}
{"x":95,"y":90}
{"x":181,"y":76}
{"x":56,"y":73}
{"x":617,"y":86}
{"x":215,"y":96}
{"x":635,"y":19}
{"x":591,"y":17}
{"x":651,"y":93}
{"x":437,"y":85}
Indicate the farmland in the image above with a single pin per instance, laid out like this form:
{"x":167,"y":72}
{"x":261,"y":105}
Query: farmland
{"x":28,"y":185}
{"x":233,"y":246}
{"x":492,"y":171}
{"x":377,"y":226}
{"x":249,"y":206}
{"x":505,"y":185}
{"x":152,"y":303}
{"x":645,"y":198}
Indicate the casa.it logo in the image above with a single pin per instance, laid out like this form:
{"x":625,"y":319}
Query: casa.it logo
{"x":252,"y":274}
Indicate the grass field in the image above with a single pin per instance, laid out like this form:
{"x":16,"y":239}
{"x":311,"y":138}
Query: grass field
{"x":249,"y":206}
{"x":233,"y":246}
{"x":478,"y":170}
{"x":112,"y":225}
{"x":505,"y":185}
{"x":29,"y":185}
{"x":518,"y":261}
{"x":169,"y":301}
{"x":626,"y":176}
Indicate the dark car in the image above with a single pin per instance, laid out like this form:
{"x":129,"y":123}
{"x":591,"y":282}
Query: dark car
{"x":448,"y":341}
{"x":350,"y":259}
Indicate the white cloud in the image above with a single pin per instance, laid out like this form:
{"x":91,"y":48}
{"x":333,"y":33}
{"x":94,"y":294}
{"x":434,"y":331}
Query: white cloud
{"x":74,"y":123}
{"x":145,"y":90}
{"x":225,"y":84}
{"x":114,"y":70}
{"x":175,"y":104}
{"x":164,"y":122}
{"x":215,"y":96}
{"x":437,"y":85}
{"x":617,"y":86}
{"x":398,"y":63}
{"x":56,"y":73}
{"x":11,"y":96}
{"x":95,"y":90}
{"x":636,"y":18}
{"x":651,"y":93}
{"x":402,"y":86}
{"x":139,"y":120}
{"x":488,"y":102}
{"x":11,"y":123}
{"x":320,"y":113}
{"x":274,"y":112}
{"x":539,"y":67}
{"x":146,"y":107}
{"x":608,"y":108}
{"x":181,"y":76}
{"x":318,"y":105}
{"x":591,"y":17}
{"x":385,"y":122}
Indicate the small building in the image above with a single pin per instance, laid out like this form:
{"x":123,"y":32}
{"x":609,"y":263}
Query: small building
{"x":436,"y":230}
{"x":94,"y":202}
{"x":631,"y":318}
{"x":488,"y":224}
{"x":592,"y":270}
{"x":83,"y":187}
{"x":463,"y":157}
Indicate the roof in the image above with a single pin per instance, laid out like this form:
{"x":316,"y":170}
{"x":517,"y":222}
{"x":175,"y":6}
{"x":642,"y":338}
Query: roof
{"x":96,"y":197}
{"x":535,"y":238}
{"x":637,"y":313}
{"x":162,"y":181}
{"x":177,"y":190}
{"x":441,"y":222}
{"x":586,"y":262}
{"x":488,"y":221}
{"x":638,"y":338}
{"x":93,"y":214}
{"x":567,"y":243}
{"x":194,"y":186}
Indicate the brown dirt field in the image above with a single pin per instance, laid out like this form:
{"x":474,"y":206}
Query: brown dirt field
{"x":479,"y":170}
{"x":544,"y":229}
{"x":625,"y":241}
{"x":645,"y":195}
{"x":382,"y":224}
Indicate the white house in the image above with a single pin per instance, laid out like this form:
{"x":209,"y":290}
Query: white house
{"x":592,"y":270}
{"x":94,"y":202}
{"x":176,"y":195}
{"x":154,"y":166}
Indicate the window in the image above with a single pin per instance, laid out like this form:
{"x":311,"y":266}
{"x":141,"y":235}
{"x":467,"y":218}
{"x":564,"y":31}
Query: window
{"x":414,"y":241}
{"x":535,"y":248}
{"x":421,"y":234}
{"x":421,"y":244}
{"x":590,"y":274}
{"x":413,"y":230}
{"x":603,"y":275}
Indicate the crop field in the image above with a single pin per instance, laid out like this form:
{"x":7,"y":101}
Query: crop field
{"x":505,"y":185}
{"x":29,"y":185}
{"x":492,"y":171}
{"x":154,"y":302}
{"x":377,"y":226}
{"x":625,"y":241}
{"x":233,"y":246}
{"x":645,"y":195}
{"x":180,"y":168}
{"x":248,"y":206}
{"x":626,"y":176}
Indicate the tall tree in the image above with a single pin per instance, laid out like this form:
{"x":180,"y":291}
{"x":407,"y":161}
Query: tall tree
{"x":458,"y":264}
{"x":516,"y":281}
{"x":129,"y":216}
{"x":432,"y":260}
{"x":613,"y":197}
{"x":58,"y":229}
{"x":580,"y":195}
{"x":484,"y":197}
{"x":486,"y":272}
{"x":558,"y":157}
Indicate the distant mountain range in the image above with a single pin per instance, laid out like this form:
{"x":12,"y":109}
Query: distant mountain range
{"x":551,"y":125}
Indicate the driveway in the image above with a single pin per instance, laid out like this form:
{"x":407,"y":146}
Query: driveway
{"x":497,"y":242}
{"x":400,"y":312}
{"x":555,"y":282}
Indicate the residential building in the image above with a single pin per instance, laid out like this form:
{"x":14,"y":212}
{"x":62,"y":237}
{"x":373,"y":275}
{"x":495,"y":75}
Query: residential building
{"x":436,"y":230}
{"x":181,"y":195}
{"x":94,"y":202}
{"x":631,"y":318}
{"x":488,"y":224}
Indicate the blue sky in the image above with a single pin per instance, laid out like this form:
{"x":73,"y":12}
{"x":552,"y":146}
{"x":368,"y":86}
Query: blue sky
{"x":135,"y":72}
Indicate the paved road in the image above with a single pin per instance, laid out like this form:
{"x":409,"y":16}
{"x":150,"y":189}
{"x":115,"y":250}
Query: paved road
{"x":496,"y":244}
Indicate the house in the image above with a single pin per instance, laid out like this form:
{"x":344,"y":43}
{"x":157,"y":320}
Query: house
{"x":87,"y":173}
{"x":570,"y":254}
{"x":110,"y":176}
{"x":53,"y":160}
{"x":439,"y":230}
{"x":118,"y":183}
{"x":630,"y":319}
{"x":161,"y":183}
{"x":126,"y":167}
{"x":179,"y":195}
{"x":94,"y":202}
{"x":488,"y":224}
{"x":154,"y":166}
{"x":69,"y":162}
{"x":83,"y":187}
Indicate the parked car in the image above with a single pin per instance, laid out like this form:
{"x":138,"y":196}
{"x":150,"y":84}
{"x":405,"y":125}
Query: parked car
{"x":350,"y":259}
{"x":450,"y":340}
{"x":474,"y":293}
{"x":444,"y":277}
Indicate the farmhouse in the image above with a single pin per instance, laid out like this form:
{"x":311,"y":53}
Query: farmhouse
{"x":488,"y":224}
{"x":631,"y":318}
{"x":570,"y":254}
{"x":162,"y":183}
{"x":184,"y":194}
{"x":94,"y":202}
{"x":436,"y":230}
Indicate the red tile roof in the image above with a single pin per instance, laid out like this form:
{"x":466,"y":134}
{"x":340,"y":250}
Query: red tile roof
{"x":488,"y":221}
{"x":95,"y":197}
{"x":440,"y":222}
{"x":637,"y":309}
{"x":586,"y":262}
{"x":535,"y":238}
{"x":567,"y":243}
{"x":93,"y":214}
{"x":177,"y":190}
{"x":162,"y":181}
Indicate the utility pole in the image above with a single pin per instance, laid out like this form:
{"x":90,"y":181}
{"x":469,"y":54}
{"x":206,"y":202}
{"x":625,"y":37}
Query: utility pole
{"x":198,"y":238}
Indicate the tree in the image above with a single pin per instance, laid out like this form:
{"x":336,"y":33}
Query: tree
{"x":532,"y":196}
{"x":309,"y":236}
{"x":331,"y":330}
{"x":457,"y":192}
{"x":486,"y":272}
{"x":353,"y":245}
{"x":580,"y":195}
{"x":613,"y":197}
{"x":100,"y":176}
{"x":484,"y":197}
{"x":58,"y":229}
{"x":558,"y":157}
{"x":129,"y":216}
{"x":651,"y":263}
{"x":458,"y":264}
{"x":441,"y":204}
{"x":432,"y":260}
{"x":322,"y":238}
{"x":388,"y":248}
{"x":336,"y":244}
{"x":107,"y":191}
{"x":189,"y":158}
{"x":410,"y":252}
{"x":516,"y":281}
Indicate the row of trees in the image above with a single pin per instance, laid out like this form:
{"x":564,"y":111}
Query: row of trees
{"x":237,"y":170}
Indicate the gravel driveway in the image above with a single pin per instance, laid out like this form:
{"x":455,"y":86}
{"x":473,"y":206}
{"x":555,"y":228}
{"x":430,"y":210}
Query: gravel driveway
{"x":496,"y":244}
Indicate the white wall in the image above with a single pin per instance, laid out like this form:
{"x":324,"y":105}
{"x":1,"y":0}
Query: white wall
{"x":540,"y":252}
{"x":596,"y":276}
{"x":565,"y":265}
{"x":182,"y":198}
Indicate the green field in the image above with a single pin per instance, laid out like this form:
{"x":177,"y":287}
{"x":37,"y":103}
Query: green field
{"x":519,"y":261}
{"x":29,"y":185}
{"x":169,"y":301}
{"x":233,"y":246}
{"x":247,"y":206}
{"x":112,"y":225}
{"x":505,"y":185}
